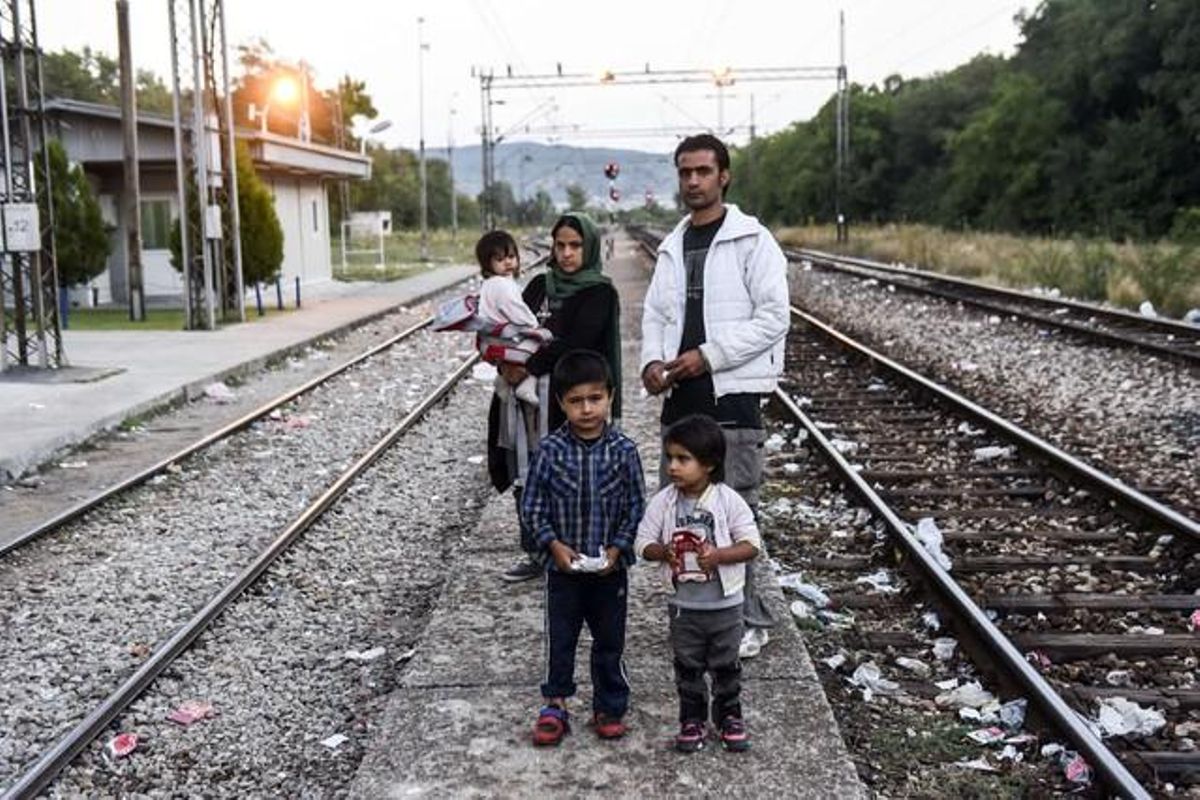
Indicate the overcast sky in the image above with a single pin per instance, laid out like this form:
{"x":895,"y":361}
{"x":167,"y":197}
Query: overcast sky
{"x":377,"y":41}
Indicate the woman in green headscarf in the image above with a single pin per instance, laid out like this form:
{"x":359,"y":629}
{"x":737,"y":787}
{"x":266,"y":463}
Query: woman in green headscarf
{"x":578,"y":304}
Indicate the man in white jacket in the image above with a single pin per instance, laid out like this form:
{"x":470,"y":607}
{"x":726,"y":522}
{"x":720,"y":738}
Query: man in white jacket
{"x":715,"y":319}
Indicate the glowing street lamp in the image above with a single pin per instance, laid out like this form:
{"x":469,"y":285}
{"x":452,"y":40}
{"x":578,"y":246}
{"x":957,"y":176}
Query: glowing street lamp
{"x":284,"y":90}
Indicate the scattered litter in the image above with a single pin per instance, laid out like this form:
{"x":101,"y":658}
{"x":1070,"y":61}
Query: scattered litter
{"x":297,"y":422}
{"x":191,"y":711}
{"x":868,"y":678}
{"x":72,"y":465}
{"x":991,"y":453}
{"x":1012,"y":713}
{"x":930,"y":537}
{"x":800,"y":610}
{"x":475,"y":459}
{"x":1118,"y":677}
{"x":791,"y":468}
{"x":987,"y":735}
{"x":335,"y":741}
{"x":993,"y":320}
{"x":794,"y":582}
{"x":943,"y":648}
{"x":966,"y":430}
{"x":879,"y":581}
{"x":1010,"y":753}
{"x":219,"y":393}
{"x":1121,"y":717}
{"x":774,"y":443}
{"x":931,"y":621}
{"x":825,"y":426}
{"x":365,"y":655}
{"x":753,"y":641}
{"x":979,"y":764}
{"x":1194,"y":620}
{"x":1051,"y":749}
{"x":1021,"y":738}
{"x":875,"y":386}
{"x":1075,"y":767}
{"x":969,"y":715}
{"x":918,"y":668}
{"x":406,"y":655}
{"x":844,"y":446}
{"x":1146,"y":309}
{"x":122,"y":744}
{"x":1039,"y":659}
{"x":835,"y":620}
{"x":1192,"y":317}
{"x":970,"y":695}
{"x":947,"y":684}
{"x":1149,"y":630}
{"x":835,"y":661}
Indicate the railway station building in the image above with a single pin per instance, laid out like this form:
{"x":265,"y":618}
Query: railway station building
{"x":296,"y":172}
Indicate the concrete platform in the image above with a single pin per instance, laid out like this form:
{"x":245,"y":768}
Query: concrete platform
{"x":459,"y":724}
{"x":115,"y":375}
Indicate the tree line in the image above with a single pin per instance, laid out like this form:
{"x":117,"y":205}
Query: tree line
{"x":1091,"y":127}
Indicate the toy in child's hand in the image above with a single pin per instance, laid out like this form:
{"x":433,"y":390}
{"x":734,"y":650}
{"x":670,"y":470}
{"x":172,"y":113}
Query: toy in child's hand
{"x":589,"y":563}
{"x":688,"y":546}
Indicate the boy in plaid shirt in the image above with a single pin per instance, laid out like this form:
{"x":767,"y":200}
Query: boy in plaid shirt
{"x":579,"y":515}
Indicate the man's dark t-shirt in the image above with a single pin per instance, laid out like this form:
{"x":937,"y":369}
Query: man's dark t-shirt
{"x":696,"y":395}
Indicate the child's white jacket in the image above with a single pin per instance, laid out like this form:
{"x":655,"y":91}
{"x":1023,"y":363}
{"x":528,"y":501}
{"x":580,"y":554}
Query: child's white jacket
{"x":733,"y":521}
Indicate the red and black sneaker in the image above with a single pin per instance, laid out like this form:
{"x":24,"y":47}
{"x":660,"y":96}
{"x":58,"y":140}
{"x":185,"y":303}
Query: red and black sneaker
{"x":608,"y":727}
{"x":733,"y":734}
{"x":690,"y":738}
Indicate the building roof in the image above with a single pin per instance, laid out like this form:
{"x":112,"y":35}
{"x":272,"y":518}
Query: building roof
{"x":270,"y":151}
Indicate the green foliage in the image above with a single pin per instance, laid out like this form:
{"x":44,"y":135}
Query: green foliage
{"x":81,"y":239}
{"x":95,"y":77}
{"x":261,"y":234}
{"x":1161,"y":271}
{"x":1097,"y":264}
{"x":1089,"y":128}
{"x":577,"y":196}
{"x":1186,"y":225}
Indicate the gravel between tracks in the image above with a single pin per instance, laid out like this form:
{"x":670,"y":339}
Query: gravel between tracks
{"x":275,"y":666}
{"x":82,"y":608}
{"x":1134,"y":414}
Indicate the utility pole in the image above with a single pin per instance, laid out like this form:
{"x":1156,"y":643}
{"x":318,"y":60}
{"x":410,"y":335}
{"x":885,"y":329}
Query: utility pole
{"x":133,"y":197}
{"x":450,"y":167}
{"x":843,"y":229}
{"x":421,"y":48}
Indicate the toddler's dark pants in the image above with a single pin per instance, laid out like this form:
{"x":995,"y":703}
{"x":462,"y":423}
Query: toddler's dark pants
{"x":600,"y":601}
{"x":707,"y":641}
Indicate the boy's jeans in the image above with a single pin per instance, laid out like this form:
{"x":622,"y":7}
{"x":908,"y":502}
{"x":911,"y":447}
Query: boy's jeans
{"x":600,"y":601}
{"x":707,"y":641}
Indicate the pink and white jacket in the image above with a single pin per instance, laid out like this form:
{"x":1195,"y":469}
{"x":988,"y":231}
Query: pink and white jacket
{"x":733,"y":521}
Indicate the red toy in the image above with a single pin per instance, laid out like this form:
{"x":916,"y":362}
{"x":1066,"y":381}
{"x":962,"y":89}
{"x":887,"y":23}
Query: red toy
{"x":688,"y":547}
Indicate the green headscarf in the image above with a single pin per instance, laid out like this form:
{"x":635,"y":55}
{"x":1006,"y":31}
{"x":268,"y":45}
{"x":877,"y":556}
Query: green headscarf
{"x":561,"y":285}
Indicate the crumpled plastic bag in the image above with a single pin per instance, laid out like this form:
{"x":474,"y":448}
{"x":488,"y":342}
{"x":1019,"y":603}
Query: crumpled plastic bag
{"x":1120,"y":717}
{"x":969,"y":695}
{"x":868,"y":677}
{"x":794,"y":582}
{"x":930,"y":537}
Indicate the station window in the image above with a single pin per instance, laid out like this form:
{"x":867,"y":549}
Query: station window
{"x":156,"y":224}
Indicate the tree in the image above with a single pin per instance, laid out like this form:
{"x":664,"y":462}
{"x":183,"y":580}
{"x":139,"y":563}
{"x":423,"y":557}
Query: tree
{"x":262,"y":235}
{"x":81,"y":239}
{"x":577,"y":197}
{"x":95,"y":77}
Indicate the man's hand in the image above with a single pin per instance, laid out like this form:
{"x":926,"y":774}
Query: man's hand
{"x":689,"y":364}
{"x":562,"y":555}
{"x":710,"y":558}
{"x":513,"y":373}
{"x":654,"y":378}
{"x":614,"y":559}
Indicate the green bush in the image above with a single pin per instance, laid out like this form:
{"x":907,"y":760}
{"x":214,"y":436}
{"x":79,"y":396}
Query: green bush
{"x":1096,"y":264}
{"x":1165,"y":274}
{"x":1185,"y":227}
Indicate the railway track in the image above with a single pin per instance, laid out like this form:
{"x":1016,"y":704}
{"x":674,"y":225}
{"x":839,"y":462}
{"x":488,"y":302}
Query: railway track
{"x":1164,"y":337}
{"x":1061,"y":581}
{"x":40,"y":774}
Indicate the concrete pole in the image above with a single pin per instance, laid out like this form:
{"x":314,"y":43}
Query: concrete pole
{"x":421,"y":48}
{"x":132,"y":210}
{"x":235,"y":215}
{"x":450,"y":167}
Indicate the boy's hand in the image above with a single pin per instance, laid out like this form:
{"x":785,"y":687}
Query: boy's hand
{"x":709,"y":558}
{"x":562,"y":555}
{"x":513,"y":373}
{"x":660,"y":552}
{"x":614,"y":559}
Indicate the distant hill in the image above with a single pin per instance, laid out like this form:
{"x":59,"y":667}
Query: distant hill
{"x":555,"y":167}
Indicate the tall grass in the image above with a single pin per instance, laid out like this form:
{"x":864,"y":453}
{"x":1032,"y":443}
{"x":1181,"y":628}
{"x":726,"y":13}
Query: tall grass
{"x":1125,"y":274}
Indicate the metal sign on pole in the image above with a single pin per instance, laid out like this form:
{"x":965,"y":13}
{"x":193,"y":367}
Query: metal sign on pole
{"x":29,"y":323}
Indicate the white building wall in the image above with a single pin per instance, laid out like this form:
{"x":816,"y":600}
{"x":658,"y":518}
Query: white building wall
{"x":303,"y":211}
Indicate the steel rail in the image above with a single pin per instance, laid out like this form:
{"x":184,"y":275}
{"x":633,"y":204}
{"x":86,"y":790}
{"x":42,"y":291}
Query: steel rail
{"x":79,"y":509}
{"x":1030,"y":443}
{"x":1043,"y":695}
{"x":1152,"y":325}
{"x":64,"y":751}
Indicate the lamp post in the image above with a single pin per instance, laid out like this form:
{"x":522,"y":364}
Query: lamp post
{"x":421,"y":48}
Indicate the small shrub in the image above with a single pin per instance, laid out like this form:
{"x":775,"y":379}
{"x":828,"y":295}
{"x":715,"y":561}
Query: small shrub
{"x":1166,"y":273}
{"x":1096,"y":265}
{"x":1185,"y":227}
{"x":1048,"y":266}
{"x":1124,"y":291}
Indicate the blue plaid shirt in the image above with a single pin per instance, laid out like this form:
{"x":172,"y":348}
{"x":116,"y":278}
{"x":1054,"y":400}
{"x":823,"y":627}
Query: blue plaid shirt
{"x":586,"y":495}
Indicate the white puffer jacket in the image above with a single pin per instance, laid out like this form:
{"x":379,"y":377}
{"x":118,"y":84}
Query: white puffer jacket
{"x":746,"y":313}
